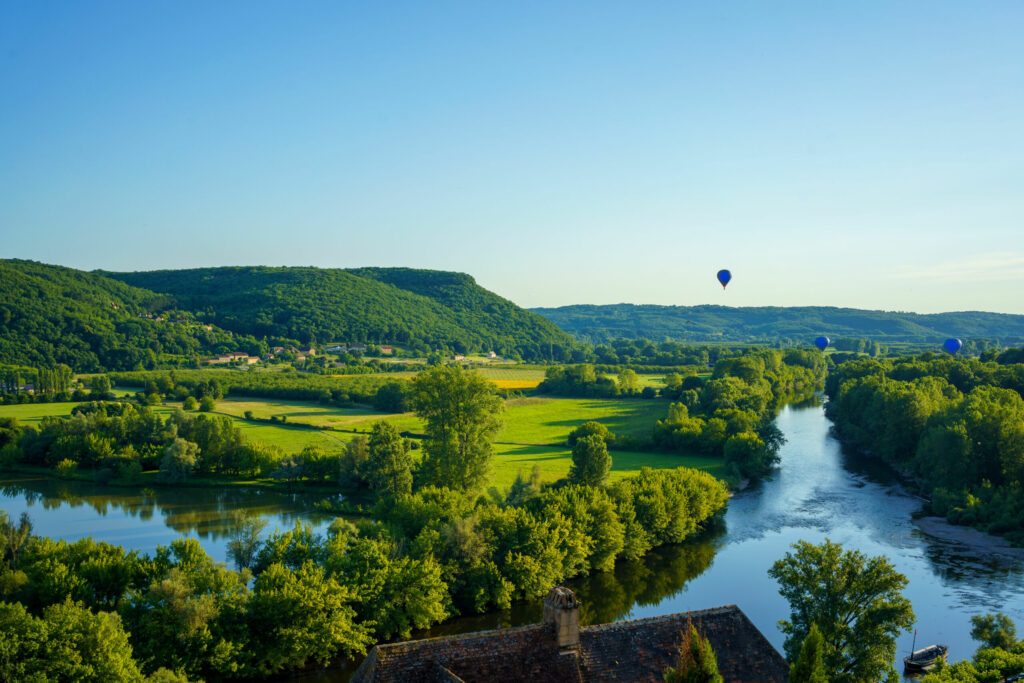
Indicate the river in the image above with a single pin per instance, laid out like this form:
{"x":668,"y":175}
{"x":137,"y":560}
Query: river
{"x":819,"y":492}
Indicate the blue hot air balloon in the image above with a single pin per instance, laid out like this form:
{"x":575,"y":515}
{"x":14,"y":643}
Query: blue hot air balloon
{"x":822,"y":343}
{"x":951,"y":346}
{"x":724,"y":276}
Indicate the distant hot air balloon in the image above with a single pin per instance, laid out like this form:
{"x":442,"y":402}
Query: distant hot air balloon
{"x":822,"y":342}
{"x":951,"y":346}
{"x":724,"y":276}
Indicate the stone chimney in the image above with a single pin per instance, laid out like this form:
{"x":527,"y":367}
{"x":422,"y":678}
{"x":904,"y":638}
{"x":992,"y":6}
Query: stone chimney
{"x":562,"y":609}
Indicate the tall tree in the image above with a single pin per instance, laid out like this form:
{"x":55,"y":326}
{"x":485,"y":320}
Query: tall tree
{"x":590,"y":461}
{"x":462,"y":412}
{"x":389,"y":467}
{"x":697,"y":661}
{"x":856,"y":602}
{"x":809,"y":666}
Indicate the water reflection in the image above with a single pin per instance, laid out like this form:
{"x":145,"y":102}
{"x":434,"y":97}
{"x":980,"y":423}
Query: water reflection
{"x":142,"y":519}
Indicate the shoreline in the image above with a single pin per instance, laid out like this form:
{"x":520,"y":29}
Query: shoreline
{"x":974,"y":539}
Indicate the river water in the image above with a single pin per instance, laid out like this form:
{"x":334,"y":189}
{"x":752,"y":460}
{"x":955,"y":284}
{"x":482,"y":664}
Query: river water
{"x":819,"y":492}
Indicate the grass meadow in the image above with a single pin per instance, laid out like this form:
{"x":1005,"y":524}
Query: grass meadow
{"x":534,"y":431}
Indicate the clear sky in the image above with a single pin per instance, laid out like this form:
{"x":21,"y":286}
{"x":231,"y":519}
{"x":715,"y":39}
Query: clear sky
{"x":866,"y":154}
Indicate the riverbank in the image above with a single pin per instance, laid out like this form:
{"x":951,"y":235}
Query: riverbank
{"x":978,"y":541}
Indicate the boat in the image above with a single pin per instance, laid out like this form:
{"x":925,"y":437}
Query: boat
{"x":924,"y":659}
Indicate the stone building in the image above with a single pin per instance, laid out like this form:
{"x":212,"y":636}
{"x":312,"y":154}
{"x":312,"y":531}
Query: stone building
{"x":559,"y":649}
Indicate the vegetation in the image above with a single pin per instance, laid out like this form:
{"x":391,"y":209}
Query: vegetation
{"x":731,"y":414}
{"x":1000,"y":655}
{"x":421,"y":309}
{"x":799,"y":324}
{"x":856,"y":602}
{"x":697,"y":661}
{"x":51,"y":315}
{"x":462,"y":414}
{"x":809,"y":666}
{"x":955,"y":424}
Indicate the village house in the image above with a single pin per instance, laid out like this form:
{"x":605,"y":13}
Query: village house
{"x":559,"y":649}
{"x":387,"y":350}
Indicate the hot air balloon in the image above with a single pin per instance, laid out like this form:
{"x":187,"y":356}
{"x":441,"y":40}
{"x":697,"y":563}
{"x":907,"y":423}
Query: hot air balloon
{"x":951,"y":346}
{"x":822,"y":342}
{"x":724,"y":276}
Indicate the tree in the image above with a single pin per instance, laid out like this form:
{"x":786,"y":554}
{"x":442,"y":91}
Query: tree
{"x":856,"y":602}
{"x":697,"y":661}
{"x":462,"y":414}
{"x":190,"y":404}
{"x":589,"y":429}
{"x":388,"y":471}
{"x":590,"y":461}
{"x":809,"y":666}
{"x":245,"y":540}
{"x":207,"y":404}
{"x":302,"y":615}
{"x":353,"y":462}
{"x":994,"y":630}
{"x":179,"y":460}
{"x":628,"y":381}
{"x":68,"y":643}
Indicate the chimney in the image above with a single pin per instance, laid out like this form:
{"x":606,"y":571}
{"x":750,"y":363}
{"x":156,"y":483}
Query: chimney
{"x":562,"y":609}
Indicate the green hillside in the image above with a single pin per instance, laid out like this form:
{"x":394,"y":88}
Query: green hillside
{"x":392,"y":305}
{"x":50,"y":314}
{"x":769,"y":324}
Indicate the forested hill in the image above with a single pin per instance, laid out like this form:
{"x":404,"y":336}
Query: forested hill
{"x":51,"y":315}
{"x":722,"y":323}
{"x":385,"y":305}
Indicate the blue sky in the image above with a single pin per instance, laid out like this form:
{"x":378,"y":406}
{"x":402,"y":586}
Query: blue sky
{"x":864,"y":154}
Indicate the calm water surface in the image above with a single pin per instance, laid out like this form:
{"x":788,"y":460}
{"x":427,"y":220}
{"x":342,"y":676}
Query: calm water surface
{"x":819,"y":492}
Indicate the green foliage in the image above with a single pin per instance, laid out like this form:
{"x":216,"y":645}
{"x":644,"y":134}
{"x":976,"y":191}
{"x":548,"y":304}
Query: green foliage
{"x":52,"y":315}
{"x":428,"y":309}
{"x":800,"y":324}
{"x":179,"y":460}
{"x":809,"y":666}
{"x":207,"y":404}
{"x":994,"y":630}
{"x":731,"y":415}
{"x":67,"y":643}
{"x":957,"y":424}
{"x":462,"y":413}
{"x":590,"y":461}
{"x":697,"y":661}
{"x":855,"y":601}
{"x":999,"y":656}
{"x":591,"y":428}
{"x":388,"y":469}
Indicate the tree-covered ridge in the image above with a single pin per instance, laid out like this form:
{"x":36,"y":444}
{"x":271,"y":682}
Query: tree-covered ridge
{"x":420,"y":308}
{"x":51,"y":315}
{"x":770,"y":323}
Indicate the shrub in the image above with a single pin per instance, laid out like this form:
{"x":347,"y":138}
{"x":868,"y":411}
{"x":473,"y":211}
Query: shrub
{"x":65,"y":468}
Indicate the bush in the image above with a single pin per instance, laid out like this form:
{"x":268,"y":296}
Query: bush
{"x":65,"y":468}
{"x":189,"y":403}
{"x":207,"y":404}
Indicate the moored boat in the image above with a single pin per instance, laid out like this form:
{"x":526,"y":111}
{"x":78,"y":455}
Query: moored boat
{"x":925,"y":659}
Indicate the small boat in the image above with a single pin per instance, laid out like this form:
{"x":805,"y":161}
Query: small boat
{"x":924,"y":659}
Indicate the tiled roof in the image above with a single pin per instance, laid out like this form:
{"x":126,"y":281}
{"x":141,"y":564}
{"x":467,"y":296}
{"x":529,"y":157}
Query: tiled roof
{"x":637,"y":650}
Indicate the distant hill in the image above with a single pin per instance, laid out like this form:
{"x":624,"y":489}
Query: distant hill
{"x":770,"y":324}
{"x":383,"y":305}
{"x":50,"y":315}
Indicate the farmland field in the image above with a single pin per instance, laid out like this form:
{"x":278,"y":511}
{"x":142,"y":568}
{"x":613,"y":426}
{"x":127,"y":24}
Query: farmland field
{"x":534,"y":431}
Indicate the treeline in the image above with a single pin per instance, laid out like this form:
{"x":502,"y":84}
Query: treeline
{"x":955,"y":424}
{"x":294,"y":386}
{"x":118,"y":441}
{"x":299,"y":598}
{"x":731,"y":414}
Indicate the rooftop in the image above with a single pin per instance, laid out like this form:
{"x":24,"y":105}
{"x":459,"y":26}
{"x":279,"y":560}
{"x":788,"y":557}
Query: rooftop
{"x":559,"y":650}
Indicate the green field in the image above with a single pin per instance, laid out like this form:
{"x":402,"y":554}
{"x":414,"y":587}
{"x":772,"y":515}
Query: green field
{"x":534,"y":431}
